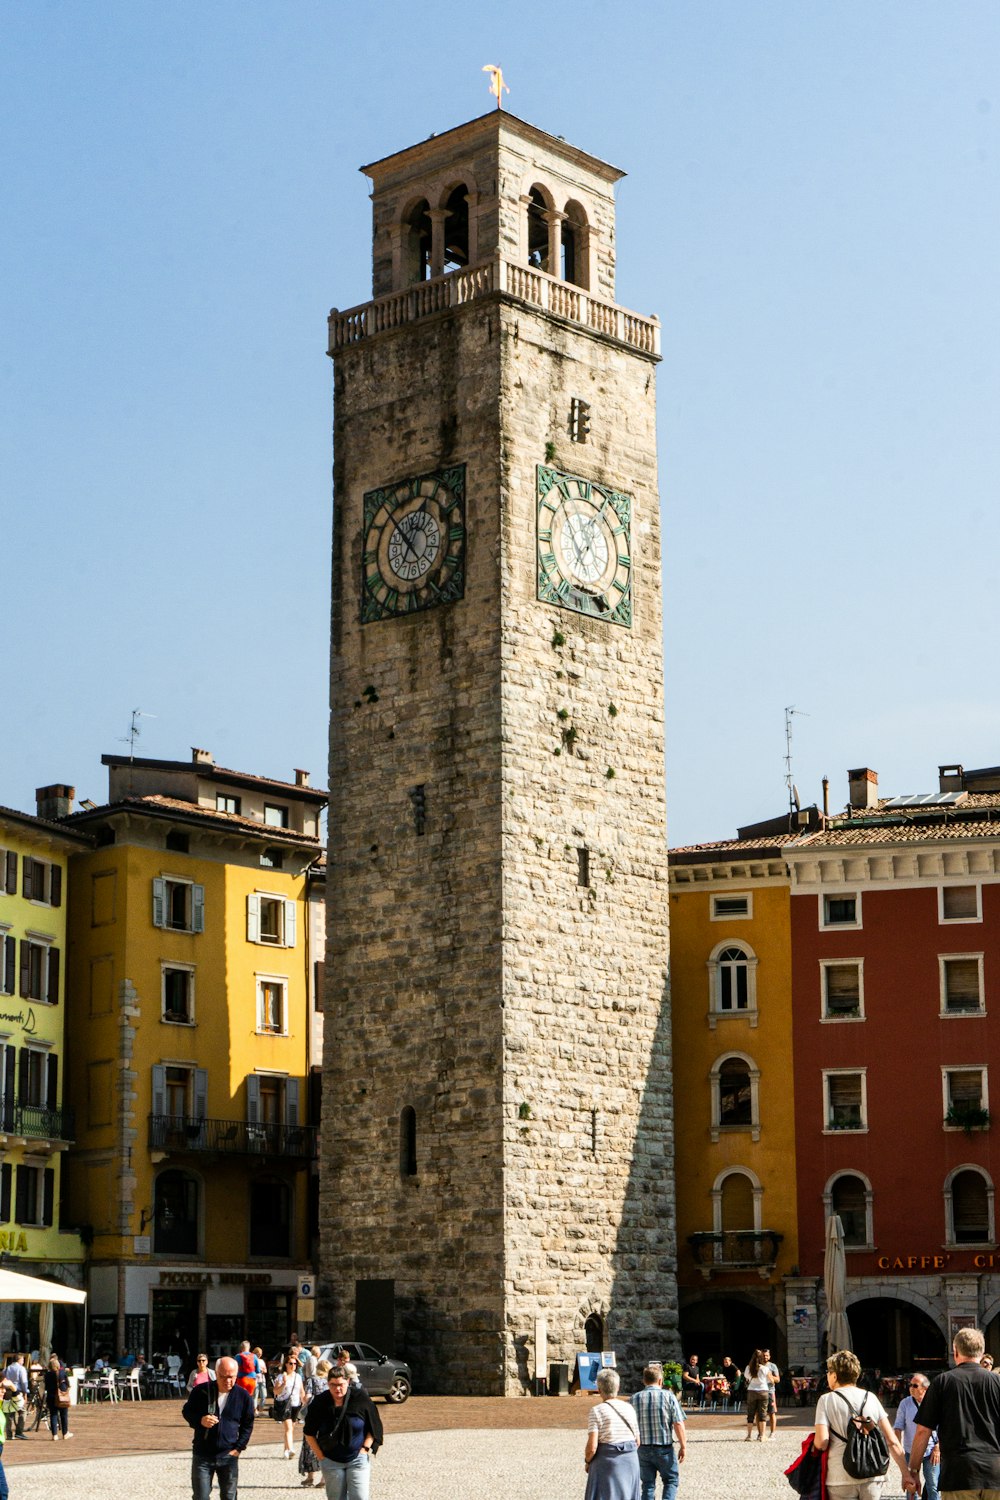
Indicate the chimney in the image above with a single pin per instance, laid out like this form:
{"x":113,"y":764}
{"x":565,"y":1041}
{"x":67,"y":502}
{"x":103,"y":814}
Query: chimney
{"x":951,"y":779}
{"x":862,"y":788}
{"x":54,"y":802}
{"x":301,"y":777}
{"x":826,"y":796}
{"x":202,"y":757}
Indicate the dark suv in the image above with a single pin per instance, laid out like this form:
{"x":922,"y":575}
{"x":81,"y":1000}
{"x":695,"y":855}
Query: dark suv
{"x":380,"y":1374}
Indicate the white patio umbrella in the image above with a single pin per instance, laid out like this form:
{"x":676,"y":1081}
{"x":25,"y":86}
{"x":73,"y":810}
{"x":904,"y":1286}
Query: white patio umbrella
{"x":17,"y":1288}
{"x":838,"y":1330}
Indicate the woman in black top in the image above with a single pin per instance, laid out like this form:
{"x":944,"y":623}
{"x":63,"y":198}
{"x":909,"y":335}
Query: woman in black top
{"x":56,"y":1379}
{"x":343,"y":1430}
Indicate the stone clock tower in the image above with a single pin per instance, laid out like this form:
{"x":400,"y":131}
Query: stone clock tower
{"x":497,"y":1183}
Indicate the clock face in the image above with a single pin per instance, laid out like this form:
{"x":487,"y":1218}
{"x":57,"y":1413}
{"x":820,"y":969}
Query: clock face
{"x":584,"y":546}
{"x":414,"y":545}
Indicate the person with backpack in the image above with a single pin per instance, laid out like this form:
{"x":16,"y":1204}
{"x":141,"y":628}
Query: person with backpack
{"x":854,"y":1425}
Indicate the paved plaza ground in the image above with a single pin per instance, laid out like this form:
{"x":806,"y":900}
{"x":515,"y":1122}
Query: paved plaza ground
{"x":437,"y":1448}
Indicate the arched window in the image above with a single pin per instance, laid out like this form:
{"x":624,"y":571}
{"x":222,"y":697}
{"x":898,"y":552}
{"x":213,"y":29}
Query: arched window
{"x":735,"y":1081}
{"x":408,"y":1142}
{"x":417,"y":238}
{"x":734,"y":1093}
{"x":456,"y":230}
{"x":736,"y":1203}
{"x":575,"y":250}
{"x":538,"y":230}
{"x":732,"y":979}
{"x":175,"y":1214}
{"x":270,"y":1218}
{"x":968,"y":1204}
{"x":850,"y":1196}
{"x":594,"y":1333}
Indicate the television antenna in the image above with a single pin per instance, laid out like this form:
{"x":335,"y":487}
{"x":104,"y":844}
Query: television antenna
{"x":135,"y":731}
{"x":793,"y":792}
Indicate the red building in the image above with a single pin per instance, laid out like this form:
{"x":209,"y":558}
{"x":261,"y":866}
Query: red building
{"x":895,"y":938}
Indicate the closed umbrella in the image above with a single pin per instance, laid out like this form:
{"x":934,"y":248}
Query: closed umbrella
{"x":45,"y":1331}
{"x":838,"y":1330}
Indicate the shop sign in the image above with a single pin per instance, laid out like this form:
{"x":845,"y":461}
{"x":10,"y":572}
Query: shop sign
{"x":14,"y":1240}
{"x":22,"y":1017}
{"x":213,"y":1278}
{"x":913,"y":1262}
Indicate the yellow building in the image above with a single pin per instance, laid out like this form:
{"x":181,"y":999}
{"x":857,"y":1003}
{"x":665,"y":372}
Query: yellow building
{"x":35,"y":1129}
{"x":731,"y":996}
{"x":191,"y":957}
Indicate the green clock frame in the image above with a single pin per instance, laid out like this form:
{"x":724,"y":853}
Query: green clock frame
{"x":413,"y":544}
{"x":584,"y":546}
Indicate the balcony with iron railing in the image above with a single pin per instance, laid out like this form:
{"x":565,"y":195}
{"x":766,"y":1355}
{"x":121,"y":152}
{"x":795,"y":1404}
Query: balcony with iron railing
{"x":176,"y":1133}
{"x":498,"y":276}
{"x":736,"y":1250}
{"x":35,"y":1122}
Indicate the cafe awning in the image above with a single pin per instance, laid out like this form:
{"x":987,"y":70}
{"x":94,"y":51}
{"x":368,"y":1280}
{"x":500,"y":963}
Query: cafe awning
{"x":17,"y":1288}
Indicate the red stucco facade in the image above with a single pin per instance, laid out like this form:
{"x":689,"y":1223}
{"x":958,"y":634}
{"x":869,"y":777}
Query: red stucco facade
{"x":903,"y":1043}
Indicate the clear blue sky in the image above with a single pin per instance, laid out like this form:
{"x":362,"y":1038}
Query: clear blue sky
{"x":812,"y":207}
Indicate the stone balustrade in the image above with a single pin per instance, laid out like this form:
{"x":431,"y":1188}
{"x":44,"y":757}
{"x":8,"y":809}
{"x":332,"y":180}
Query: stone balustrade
{"x":538,"y":289}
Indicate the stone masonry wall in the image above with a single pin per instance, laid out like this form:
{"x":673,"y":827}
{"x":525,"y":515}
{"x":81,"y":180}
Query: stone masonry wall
{"x":524,"y":1018}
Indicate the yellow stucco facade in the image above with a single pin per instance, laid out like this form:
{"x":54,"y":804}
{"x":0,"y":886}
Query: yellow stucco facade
{"x":35,"y":1128}
{"x":191,"y":956}
{"x":730,"y":944}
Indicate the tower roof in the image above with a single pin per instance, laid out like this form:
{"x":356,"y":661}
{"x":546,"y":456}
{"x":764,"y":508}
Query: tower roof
{"x":495,"y":123}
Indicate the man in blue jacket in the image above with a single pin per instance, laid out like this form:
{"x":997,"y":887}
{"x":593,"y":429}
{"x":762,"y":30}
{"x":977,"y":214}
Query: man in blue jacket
{"x":221,"y":1413}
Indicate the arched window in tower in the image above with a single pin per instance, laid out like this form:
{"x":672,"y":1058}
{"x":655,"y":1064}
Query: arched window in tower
{"x":850,"y":1199}
{"x":594,"y":1333}
{"x":573,"y":257}
{"x":175,"y":1214}
{"x":408,"y":1142}
{"x":969,"y":1207}
{"x":456,"y":230}
{"x":417,"y":236}
{"x":538,"y":230}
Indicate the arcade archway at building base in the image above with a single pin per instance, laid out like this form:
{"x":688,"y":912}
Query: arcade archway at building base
{"x":714,"y":1326}
{"x":891,"y":1335}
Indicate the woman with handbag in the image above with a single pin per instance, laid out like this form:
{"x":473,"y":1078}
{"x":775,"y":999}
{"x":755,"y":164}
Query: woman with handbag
{"x":57,"y":1397}
{"x":344,"y":1431}
{"x":611,"y":1454}
{"x":288,"y":1398}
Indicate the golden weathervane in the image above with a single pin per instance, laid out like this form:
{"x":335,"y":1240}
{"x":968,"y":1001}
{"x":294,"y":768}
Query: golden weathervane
{"x":497,"y":85}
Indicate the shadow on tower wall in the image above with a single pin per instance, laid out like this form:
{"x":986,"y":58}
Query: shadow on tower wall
{"x":642,"y":1321}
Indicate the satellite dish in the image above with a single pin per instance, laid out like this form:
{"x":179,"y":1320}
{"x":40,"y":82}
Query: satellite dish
{"x":795,"y":798}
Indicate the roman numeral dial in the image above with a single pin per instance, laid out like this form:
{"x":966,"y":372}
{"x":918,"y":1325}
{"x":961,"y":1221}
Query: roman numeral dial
{"x":413,"y":547}
{"x":584,"y":552}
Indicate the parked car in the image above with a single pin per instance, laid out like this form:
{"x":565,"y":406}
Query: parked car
{"x":380,"y":1374}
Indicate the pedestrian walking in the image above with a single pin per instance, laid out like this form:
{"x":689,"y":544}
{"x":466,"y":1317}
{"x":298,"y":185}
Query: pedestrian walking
{"x":344,"y":1431}
{"x":833,"y":1425}
{"x":963,"y":1406}
{"x":314,"y":1385}
{"x":57,"y":1398}
{"x":758,"y":1378}
{"x":774,"y":1375}
{"x":662,"y":1435}
{"x":7,"y":1414}
{"x":905,"y":1426}
{"x":220,"y":1414}
{"x":611,"y":1455}
{"x":17,"y":1374}
{"x":288,"y":1394}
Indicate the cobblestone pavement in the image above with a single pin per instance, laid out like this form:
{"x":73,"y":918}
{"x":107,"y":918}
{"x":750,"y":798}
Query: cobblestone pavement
{"x":461,"y":1463}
